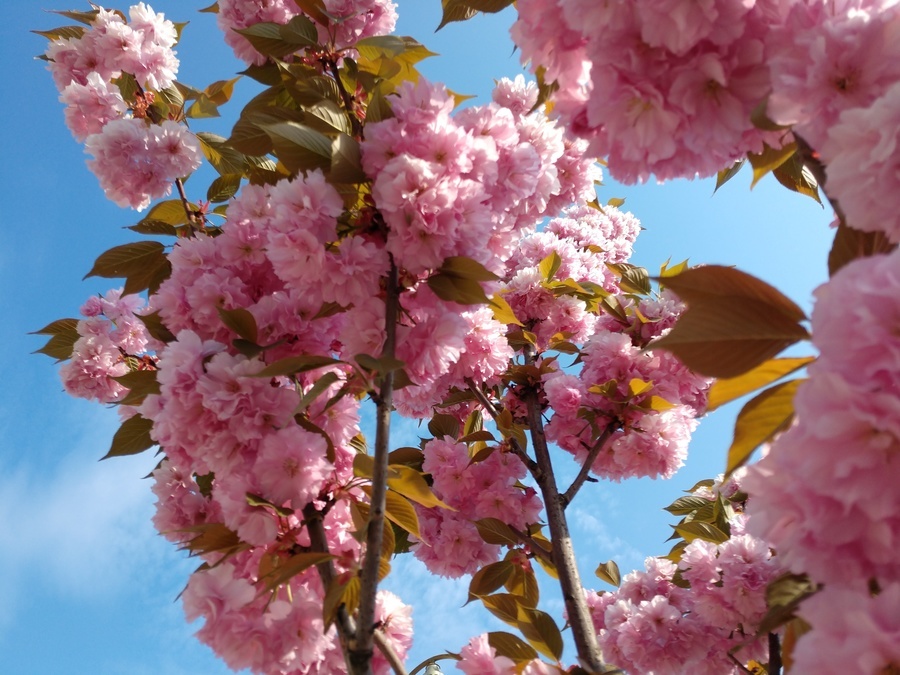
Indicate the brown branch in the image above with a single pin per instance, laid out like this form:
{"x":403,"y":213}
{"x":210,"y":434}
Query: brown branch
{"x":535,"y":546}
{"x":361,"y":651}
{"x":493,"y":412}
{"x":194,"y":220}
{"x":582,"y":476}
{"x":355,"y":124}
{"x":318,"y":542}
{"x":775,"y":663}
{"x":392,"y":657}
{"x":563,"y":552}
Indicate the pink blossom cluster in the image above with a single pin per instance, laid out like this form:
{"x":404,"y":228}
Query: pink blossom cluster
{"x":110,"y":332}
{"x":658,"y":86}
{"x":469,"y":184}
{"x":110,"y":47}
{"x":687,"y":617}
{"x":646,"y":401}
{"x":352,"y":20}
{"x":479,"y":658}
{"x":825,"y":496}
{"x":450,"y":544}
{"x":136,"y":162}
{"x":585,"y":240}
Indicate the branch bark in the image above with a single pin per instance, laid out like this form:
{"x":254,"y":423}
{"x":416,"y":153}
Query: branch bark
{"x":362,"y":647}
{"x":582,"y":476}
{"x":492,"y":411}
{"x":563,"y":552}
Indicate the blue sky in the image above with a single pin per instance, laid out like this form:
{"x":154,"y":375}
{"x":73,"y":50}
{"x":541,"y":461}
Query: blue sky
{"x":86,"y":585}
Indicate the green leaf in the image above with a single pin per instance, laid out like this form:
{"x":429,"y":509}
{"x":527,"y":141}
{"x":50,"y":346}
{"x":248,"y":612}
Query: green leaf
{"x":494,"y":531}
{"x":224,"y":159}
{"x":213,"y":538}
{"x":549,"y":266}
{"x":733,"y":322}
{"x":541,"y":631}
{"x":769,"y":160}
{"x":850,"y":244}
{"x":632,"y":279}
{"x":154,"y":227}
{"x":346,"y":165}
{"x":241,"y":321}
{"x":261,"y":502}
{"x":502,"y":311}
{"x":316,"y":390}
{"x":798,"y":178}
{"x":61,"y":343}
{"x":299,"y":147}
{"x":504,"y":606}
{"x":287,"y":570}
{"x":143,"y":264}
{"x":202,"y":108}
{"x":726,"y":175}
{"x":140,"y":384}
{"x":512,"y":647}
{"x":409,"y":483}
{"x":489,"y":579}
{"x":523,"y":584}
{"x":378,"y":108}
{"x":700,"y":530}
{"x":400,"y":512}
{"x":783,"y":597}
{"x":58,"y":327}
{"x":314,"y":9}
{"x":81,"y":17}
{"x":224,"y":188}
{"x":458,"y":279}
{"x":277,"y":41}
{"x":609,"y":572}
{"x":212,"y":9}
{"x":155,"y":326}
{"x":442,"y":425}
{"x":133,"y":437}
{"x":292,"y":365}
{"x":686,"y":505}
{"x":455,"y":10}
{"x":62,"y":33}
{"x":726,"y":390}
{"x":489,"y":6}
{"x":170,"y":211}
{"x":760,"y":420}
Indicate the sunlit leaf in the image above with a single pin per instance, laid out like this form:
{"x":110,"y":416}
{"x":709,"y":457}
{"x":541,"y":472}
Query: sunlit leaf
{"x":725,"y":390}
{"x":733,"y":322}
{"x":769,"y":160}
{"x":512,"y":647}
{"x":760,"y":420}
{"x":489,"y":578}
{"x":495,"y":531}
{"x":409,"y":483}
{"x":400,"y":512}
{"x":609,"y":572}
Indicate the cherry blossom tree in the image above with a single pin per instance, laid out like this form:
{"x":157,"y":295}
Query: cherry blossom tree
{"x":368,"y":239}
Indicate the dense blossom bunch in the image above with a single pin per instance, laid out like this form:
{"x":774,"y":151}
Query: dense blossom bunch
{"x":353,"y":20}
{"x":110,"y":47}
{"x":110,"y":334}
{"x":450,"y":544}
{"x":845,"y":511}
{"x":134,"y":161}
{"x":658,"y":87}
{"x":687,"y":617}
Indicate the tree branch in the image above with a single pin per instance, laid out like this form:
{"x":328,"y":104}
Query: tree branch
{"x":392,"y":657}
{"x":563,"y":552}
{"x":582,"y":476}
{"x":319,"y":543}
{"x":775,"y":663}
{"x":355,"y":124}
{"x":361,"y":651}
{"x":492,"y":411}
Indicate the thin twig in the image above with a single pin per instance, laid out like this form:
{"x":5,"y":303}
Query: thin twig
{"x":583,"y":633}
{"x":739,"y":664}
{"x":534,"y":545}
{"x":387,"y":650}
{"x":361,"y":651}
{"x":193,"y":219}
{"x":318,"y":542}
{"x":355,"y":124}
{"x":513,"y":443}
{"x":582,"y":476}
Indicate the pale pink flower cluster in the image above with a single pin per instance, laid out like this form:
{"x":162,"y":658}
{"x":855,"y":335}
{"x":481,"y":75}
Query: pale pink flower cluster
{"x":353,"y":20}
{"x":658,"y":86}
{"x":479,"y":658}
{"x":447,"y":185}
{"x":585,"y":241}
{"x":109,"y":332}
{"x":136,"y":162}
{"x":111,"y":46}
{"x":653,"y":624}
{"x":825,"y":495}
{"x":647,"y":399}
{"x":450,"y":544}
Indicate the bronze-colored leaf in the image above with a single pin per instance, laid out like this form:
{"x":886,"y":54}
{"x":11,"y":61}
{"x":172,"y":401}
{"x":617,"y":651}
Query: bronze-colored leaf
{"x":850,"y":244}
{"x":133,"y":437}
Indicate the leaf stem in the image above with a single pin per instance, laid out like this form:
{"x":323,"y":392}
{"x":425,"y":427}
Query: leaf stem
{"x":361,"y":651}
{"x":355,"y":124}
